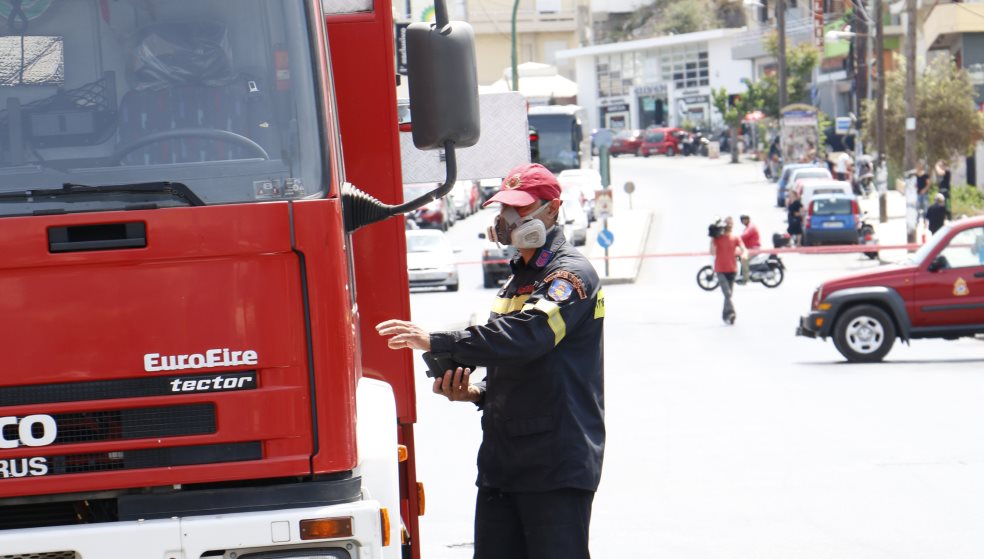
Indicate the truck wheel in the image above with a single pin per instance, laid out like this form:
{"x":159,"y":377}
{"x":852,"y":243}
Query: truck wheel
{"x":864,"y":334}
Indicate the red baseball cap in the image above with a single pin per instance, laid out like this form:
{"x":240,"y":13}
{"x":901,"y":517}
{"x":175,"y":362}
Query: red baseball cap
{"x":526,"y":184}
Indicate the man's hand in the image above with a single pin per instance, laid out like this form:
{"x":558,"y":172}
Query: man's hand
{"x":405,"y":335}
{"x":455,"y":386}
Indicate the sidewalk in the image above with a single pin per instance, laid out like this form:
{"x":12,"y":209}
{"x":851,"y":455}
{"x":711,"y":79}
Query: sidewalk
{"x":894,"y":231}
{"x":630,"y":229}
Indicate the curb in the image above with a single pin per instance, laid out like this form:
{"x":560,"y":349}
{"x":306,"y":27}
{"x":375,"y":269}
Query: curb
{"x":643,"y":241}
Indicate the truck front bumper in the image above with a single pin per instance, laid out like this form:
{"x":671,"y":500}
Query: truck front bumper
{"x":813,"y":325}
{"x":191,"y":537}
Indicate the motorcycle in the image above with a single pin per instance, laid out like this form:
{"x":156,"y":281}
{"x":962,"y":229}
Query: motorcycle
{"x":766,"y":269}
{"x":866,"y":236}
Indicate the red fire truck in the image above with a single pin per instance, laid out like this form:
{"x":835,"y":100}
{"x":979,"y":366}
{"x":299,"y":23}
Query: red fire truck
{"x":188,"y":368}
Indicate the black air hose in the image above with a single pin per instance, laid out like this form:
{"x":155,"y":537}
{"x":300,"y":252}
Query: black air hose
{"x":360,"y":209}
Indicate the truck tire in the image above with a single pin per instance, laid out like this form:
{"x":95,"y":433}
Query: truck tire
{"x":864,"y":334}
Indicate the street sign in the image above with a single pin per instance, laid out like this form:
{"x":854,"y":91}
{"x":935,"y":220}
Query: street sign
{"x":842,"y":125}
{"x":603,"y":204}
{"x":629,"y":187}
{"x":605,"y":238}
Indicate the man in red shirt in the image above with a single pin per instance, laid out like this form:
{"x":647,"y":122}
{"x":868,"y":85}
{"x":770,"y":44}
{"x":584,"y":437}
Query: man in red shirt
{"x":725,"y":247}
{"x":750,"y":236}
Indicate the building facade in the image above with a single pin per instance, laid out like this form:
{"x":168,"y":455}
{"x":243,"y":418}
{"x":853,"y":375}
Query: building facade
{"x":658,"y":81}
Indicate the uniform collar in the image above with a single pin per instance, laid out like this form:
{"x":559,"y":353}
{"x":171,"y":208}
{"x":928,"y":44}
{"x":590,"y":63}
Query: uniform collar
{"x":543,"y":255}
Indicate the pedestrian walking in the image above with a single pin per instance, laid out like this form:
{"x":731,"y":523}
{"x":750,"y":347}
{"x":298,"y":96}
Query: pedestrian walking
{"x":922,"y":189}
{"x":542,"y":399}
{"x":943,"y":182}
{"x":936,"y":214}
{"x":794,"y":218}
{"x":725,"y":248}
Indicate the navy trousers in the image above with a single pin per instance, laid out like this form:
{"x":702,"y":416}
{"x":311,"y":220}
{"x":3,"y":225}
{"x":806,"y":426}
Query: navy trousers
{"x":542,"y":525}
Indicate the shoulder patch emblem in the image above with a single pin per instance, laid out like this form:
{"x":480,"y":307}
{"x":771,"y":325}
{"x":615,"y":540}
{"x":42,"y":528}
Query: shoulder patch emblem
{"x":545,"y":256}
{"x":560,"y":290}
{"x":572,"y":279}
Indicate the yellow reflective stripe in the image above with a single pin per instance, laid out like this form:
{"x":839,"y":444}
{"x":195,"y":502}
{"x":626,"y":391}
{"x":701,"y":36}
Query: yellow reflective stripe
{"x":554,"y":319}
{"x":505,"y":305}
{"x":600,"y":304}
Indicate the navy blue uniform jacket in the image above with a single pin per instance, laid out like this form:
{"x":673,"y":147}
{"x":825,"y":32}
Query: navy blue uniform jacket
{"x":543,"y":400}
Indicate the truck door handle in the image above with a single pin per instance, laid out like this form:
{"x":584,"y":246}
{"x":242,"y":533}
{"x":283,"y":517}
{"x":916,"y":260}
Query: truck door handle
{"x":979,"y":274}
{"x":99,"y":236}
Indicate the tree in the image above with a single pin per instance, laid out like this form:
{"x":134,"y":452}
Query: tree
{"x":800,"y":62}
{"x":734,"y":109}
{"x":948,"y":123}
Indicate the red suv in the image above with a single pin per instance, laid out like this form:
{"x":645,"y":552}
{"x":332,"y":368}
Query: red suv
{"x":661,"y":140}
{"x":937,"y":293}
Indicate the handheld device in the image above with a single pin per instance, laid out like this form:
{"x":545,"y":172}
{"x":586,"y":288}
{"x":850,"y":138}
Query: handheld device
{"x":438,"y":363}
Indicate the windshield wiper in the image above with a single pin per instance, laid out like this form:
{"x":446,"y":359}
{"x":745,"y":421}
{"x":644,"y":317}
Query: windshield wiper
{"x":175,"y":189}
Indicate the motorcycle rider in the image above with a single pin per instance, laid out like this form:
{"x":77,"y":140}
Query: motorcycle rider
{"x":750,"y":237}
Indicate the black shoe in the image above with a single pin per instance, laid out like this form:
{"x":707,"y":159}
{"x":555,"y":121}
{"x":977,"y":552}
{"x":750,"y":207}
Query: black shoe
{"x":730,"y":319}
{"x":740,"y":282}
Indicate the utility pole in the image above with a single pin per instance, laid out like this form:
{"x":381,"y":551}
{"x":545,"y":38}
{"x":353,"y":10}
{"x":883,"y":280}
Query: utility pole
{"x":515,"y":65}
{"x":860,"y":62}
{"x":781,"y":24}
{"x":880,"y":109}
{"x":909,"y":159}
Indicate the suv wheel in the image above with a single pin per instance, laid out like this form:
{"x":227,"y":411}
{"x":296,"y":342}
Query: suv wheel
{"x":864,"y":334}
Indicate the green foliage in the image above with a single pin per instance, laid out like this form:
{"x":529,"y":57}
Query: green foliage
{"x":800,"y":62}
{"x":966,"y":199}
{"x":685,"y":16}
{"x":947,"y":122}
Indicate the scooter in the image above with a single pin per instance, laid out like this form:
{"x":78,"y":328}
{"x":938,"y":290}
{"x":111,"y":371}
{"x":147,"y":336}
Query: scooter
{"x":866,"y":236}
{"x":766,"y":269}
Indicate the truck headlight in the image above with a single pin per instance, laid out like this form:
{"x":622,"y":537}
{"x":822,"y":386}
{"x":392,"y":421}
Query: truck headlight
{"x":322,"y":553}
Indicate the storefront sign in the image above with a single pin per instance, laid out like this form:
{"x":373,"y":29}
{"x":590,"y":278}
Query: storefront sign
{"x":615,"y":108}
{"x":653,"y":89}
{"x":612,"y":101}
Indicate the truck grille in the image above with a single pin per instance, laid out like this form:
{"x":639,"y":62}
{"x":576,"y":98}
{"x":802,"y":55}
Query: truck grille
{"x":47,"y":555}
{"x":153,"y":458}
{"x":140,"y":423}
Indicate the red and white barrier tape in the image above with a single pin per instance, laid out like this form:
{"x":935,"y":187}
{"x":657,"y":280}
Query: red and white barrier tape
{"x":832,"y":249}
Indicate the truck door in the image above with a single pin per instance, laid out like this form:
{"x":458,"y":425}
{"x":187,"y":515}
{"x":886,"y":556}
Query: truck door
{"x":954,"y":294}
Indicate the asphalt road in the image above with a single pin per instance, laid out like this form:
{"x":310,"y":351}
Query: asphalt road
{"x":736,"y":441}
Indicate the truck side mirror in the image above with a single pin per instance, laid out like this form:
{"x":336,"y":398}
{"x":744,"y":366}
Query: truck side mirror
{"x":937,"y":264}
{"x":443,"y":82}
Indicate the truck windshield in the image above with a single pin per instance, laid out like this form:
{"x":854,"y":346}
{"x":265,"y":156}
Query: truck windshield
{"x":197,"y":92}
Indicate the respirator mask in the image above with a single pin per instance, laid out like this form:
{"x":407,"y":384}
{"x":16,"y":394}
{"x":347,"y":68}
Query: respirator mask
{"x":510,"y":228}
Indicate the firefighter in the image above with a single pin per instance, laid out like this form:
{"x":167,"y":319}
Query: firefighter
{"x":542,"y":398}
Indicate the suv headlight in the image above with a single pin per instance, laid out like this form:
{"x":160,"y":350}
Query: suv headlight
{"x":817,"y":298}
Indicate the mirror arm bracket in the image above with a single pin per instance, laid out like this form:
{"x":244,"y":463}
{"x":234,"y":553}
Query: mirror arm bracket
{"x":361,"y":209}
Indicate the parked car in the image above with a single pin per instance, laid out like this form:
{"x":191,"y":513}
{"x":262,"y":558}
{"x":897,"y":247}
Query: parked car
{"x":495,"y":262}
{"x":808,"y":188}
{"x":832,"y":219}
{"x":937,"y":293}
{"x":466,"y":198}
{"x":574,"y":220}
{"x":488,"y":187}
{"x":436,"y":214}
{"x":626,"y":141}
{"x":787,"y":173}
{"x":430,"y":260}
{"x":594,"y":134}
{"x":660,"y":141}
{"x":583,"y":183}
